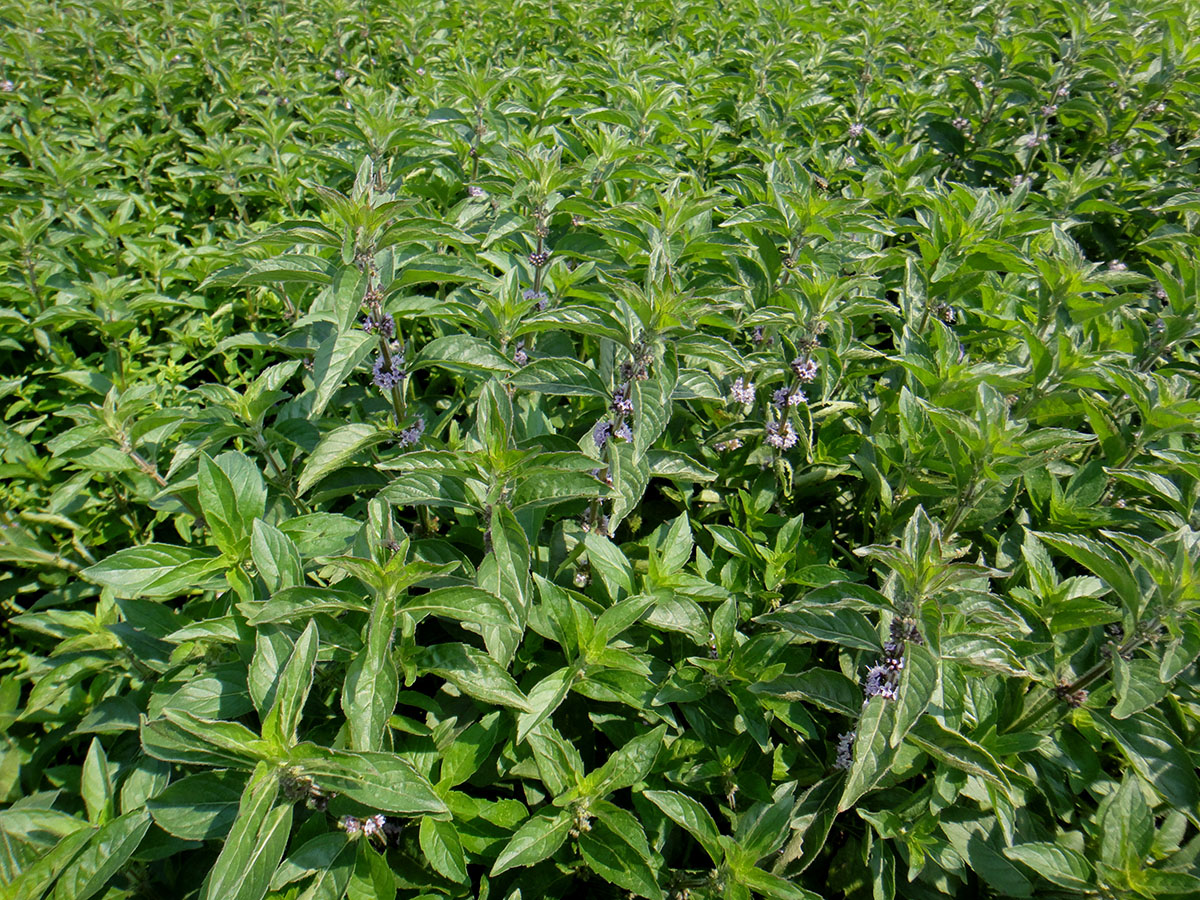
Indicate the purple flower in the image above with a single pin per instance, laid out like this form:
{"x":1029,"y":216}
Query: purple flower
{"x":726,"y":446}
{"x":381,"y":324}
{"x":374,"y":824}
{"x":856,"y":130}
{"x":845,"y":750}
{"x":621,"y":404}
{"x":411,"y":434}
{"x":386,"y":378}
{"x":1115,"y":265}
{"x":961,"y":123}
{"x":625,"y":433}
{"x":601,"y":433}
{"x":351,"y":825}
{"x":474,"y":190}
{"x":7,"y":86}
{"x":1049,"y":109}
{"x":742,"y":393}
{"x":338,"y":74}
{"x":520,"y":357}
{"x":781,"y":435}
{"x":758,"y":336}
{"x":785,"y":397}
{"x":805,"y":368}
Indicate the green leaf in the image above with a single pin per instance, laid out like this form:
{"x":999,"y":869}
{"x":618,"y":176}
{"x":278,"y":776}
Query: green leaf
{"x":442,"y":848}
{"x":764,"y":827}
{"x":337,"y":357}
{"x":692,"y":817}
{"x":185,"y":738}
{"x":505,"y":574}
{"x":35,"y":879}
{"x":474,"y":673}
{"x":372,"y":680}
{"x":829,"y":690}
{"x":275,"y":557}
{"x":628,"y":766}
{"x":330,"y":857}
{"x":957,"y":751}
{"x":872,"y":753}
{"x":544,"y":698}
{"x":198,"y":807}
{"x":107,"y":850}
{"x":917,"y":686}
{"x":560,"y":376}
{"x":292,"y":689}
{"x":615,"y":848}
{"x":1137,"y":685}
{"x":1181,"y":652}
{"x":537,"y":839}
{"x":1106,"y":562}
{"x":1059,"y":865}
{"x":225,"y":506}
{"x":773,"y":886}
{"x":338,"y":447}
{"x":379,"y":780}
{"x":255,"y":844}
{"x":847,"y":627}
{"x":96,"y":786}
{"x":1158,"y":756}
{"x":462,"y":603}
{"x":146,"y":571}
{"x":303,"y":603}
{"x":462,"y":351}
{"x":1126,"y":827}
{"x":609,"y":563}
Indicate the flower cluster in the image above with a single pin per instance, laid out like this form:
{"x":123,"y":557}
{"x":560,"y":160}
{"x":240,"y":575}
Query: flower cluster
{"x":785,"y":397}
{"x":729,"y":445}
{"x":845,"y":750}
{"x":594,"y":521}
{"x":297,"y":786}
{"x":781,"y":435}
{"x":742,"y":392}
{"x":376,"y":827}
{"x":380,"y":323}
{"x":805,"y":368}
{"x":883,"y":678}
{"x":759,"y":337}
{"x":961,"y":123}
{"x":388,"y":374}
{"x":539,"y":258}
{"x":520,"y":357}
{"x":411,"y":434}
{"x":1115,"y":265}
{"x":945,"y":313}
{"x":605,"y":429}
{"x":475,"y":191}
{"x":856,"y":130}
{"x":622,"y":405}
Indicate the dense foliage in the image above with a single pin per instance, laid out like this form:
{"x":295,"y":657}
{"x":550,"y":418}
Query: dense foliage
{"x":683,"y":450}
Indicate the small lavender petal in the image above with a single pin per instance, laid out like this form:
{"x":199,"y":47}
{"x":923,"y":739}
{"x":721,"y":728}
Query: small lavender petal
{"x":601,"y":433}
{"x":845,"y":750}
{"x":742,"y":393}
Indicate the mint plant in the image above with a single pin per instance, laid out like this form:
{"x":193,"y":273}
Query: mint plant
{"x":509,"y":449}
